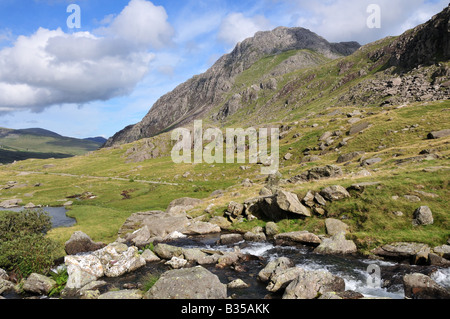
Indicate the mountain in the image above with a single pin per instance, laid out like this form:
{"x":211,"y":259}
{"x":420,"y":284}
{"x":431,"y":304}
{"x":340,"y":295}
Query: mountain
{"x":199,"y":95}
{"x":99,"y":139}
{"x":285,"y":72}
{"x":39,"y":143}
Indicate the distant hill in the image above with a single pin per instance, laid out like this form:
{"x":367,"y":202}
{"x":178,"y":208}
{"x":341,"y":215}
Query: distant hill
{"x":99,"y":139}
{"x":22,"y":144}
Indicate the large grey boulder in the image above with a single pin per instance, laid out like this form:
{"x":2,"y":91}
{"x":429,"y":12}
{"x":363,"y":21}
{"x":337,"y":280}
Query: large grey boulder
{"x":119,"y":259}
{"x":39,"y":284}
{"x":190,"y":283}
{"x":403,"y":251}
{"x":439,"y":134}
{"x":289,"y":202}
{"x":5,"y":285}
{"x":79,"y":242}
{"x":82,"y":270}
{"x":273,"y":267}
{"x":419,"y":286}
{"x":443,"y":251}
{"x":334,"y":193}
{"x":336,"y":245}
{"x":423,"y":216}
{"x":159,"y":225}
{"x":282,"y":278}
{"x":312,"y":284}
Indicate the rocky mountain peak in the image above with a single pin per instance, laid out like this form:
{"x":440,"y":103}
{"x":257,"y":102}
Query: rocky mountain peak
{"x":194,"y":98}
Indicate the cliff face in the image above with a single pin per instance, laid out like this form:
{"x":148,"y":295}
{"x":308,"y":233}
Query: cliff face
{"x":196,"y":97}
{"x":426,"y":44}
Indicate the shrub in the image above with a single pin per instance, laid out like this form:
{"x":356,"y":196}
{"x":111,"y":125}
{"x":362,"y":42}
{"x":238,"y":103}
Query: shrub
{"x":24,"y":248}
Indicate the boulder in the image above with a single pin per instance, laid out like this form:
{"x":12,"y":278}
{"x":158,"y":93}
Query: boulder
{"x":142,"y":237}
{"x":79,"y":242}
{"x":255,"y":236}
{"x":439,"y":134}
{"x":271,"y":229}
{"x":359,"y":127}
{"x":289,"y":202}
{"x":336,"y":245}
{"x":220,"y":221}
{"x":149,"y":256}
{"x":190,"y":283}
{"x":159,"y":224}
{"x":10,"y":203}
{"x":334,"y":193}
{"x":39,"y":284}
{"x":122,"y":295}
{"x":82,"y":270}
{"x":182,"y":205}
{"x":282,"y":278}
{"x":5,"y":285}
{"x":312,"y":284}
{"x":235,"y":209}
{"x":194,"y":254}
{"x":423,"y":216}
{"x":3,"y":274}
{"x":237,"y":284}
{"x":119,"y":259}
{"x":348,"y":157}
{"x":165,"y":251}
{"x":371,"y":161}
{"x":335,"y":226}
{"x":176,"y":262}
{"x":200,"y":228}
{"x":302,"y":237}
{"x":419,"y":286}
{"x":273,"y":267}
{"x":443,"y":251}
{"x":402,"y":251}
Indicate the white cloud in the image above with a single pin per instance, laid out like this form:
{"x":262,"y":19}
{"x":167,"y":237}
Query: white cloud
{"x":52,"y":67}
{"x":236,"y":27}
{"x":346,"y":20}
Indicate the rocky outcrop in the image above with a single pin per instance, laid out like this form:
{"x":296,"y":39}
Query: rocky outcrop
{"x":190,"y":283}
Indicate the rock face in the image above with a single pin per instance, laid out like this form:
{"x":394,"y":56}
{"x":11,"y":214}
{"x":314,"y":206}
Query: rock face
{"x":311,"y":284}
{"x":196,"y":97}
{"x":419,"y":286}
{"x":191,"y":283}
{"x":79,"y":242}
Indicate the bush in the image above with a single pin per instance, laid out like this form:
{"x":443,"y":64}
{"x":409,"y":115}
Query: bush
{"x":24,"y":248}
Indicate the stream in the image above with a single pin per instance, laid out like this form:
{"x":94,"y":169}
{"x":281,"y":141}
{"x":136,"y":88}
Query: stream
{"x":353,"y":270}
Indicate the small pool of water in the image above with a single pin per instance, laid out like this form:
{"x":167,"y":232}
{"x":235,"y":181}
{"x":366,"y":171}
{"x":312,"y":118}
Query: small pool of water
{"x":58,"y":215}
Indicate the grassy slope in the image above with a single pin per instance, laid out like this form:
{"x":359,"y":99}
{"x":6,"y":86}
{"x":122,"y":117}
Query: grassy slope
{"x":370,"y":214}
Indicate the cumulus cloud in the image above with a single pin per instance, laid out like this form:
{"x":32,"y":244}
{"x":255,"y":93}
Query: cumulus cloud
{"x":52,"y":67}
{"x":345,"y":20}
{"x":236,"y":27}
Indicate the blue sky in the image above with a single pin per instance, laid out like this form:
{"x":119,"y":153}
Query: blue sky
{"x":95,"y":80}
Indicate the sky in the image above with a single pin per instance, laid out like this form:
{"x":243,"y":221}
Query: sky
{"x":93,"y":69}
